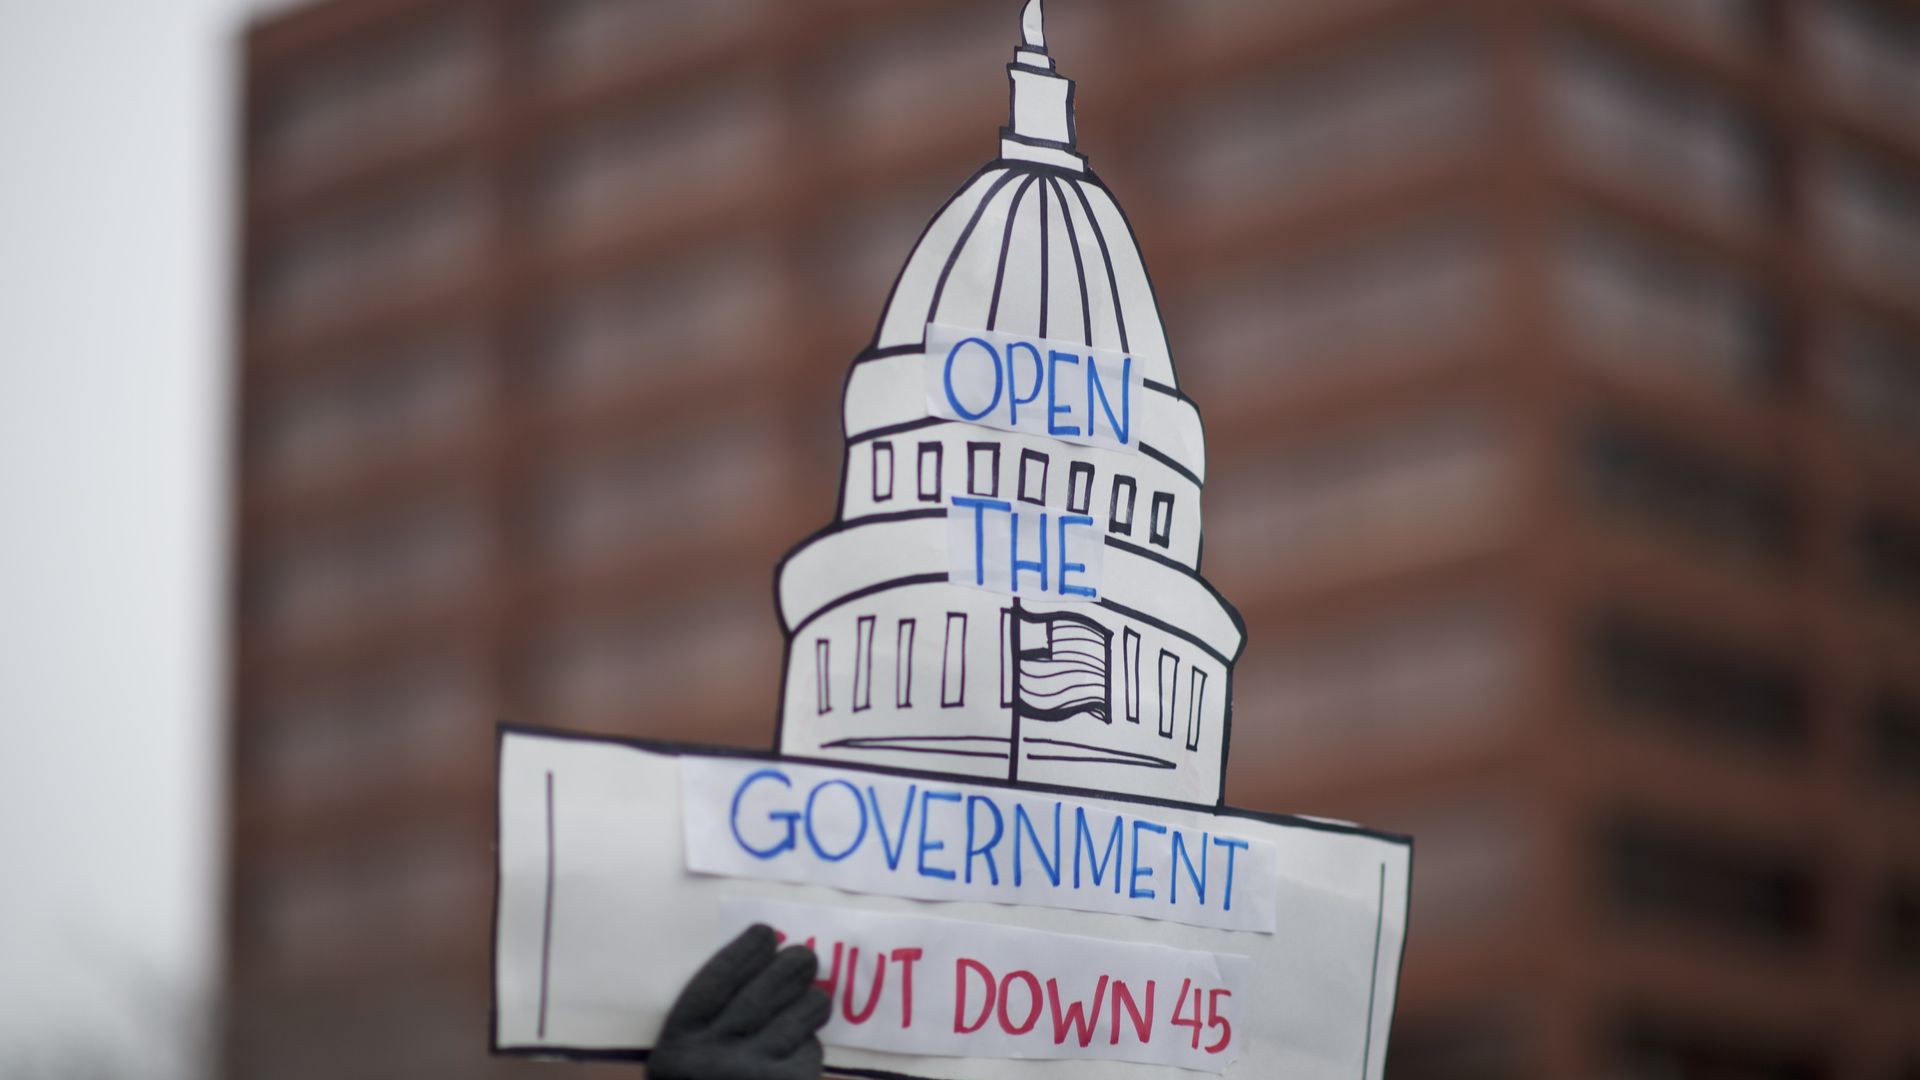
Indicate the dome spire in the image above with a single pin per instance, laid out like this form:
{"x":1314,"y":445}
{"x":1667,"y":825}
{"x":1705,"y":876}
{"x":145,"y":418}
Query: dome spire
{"x":1041,"y":129}
{"x":1033,"y":25}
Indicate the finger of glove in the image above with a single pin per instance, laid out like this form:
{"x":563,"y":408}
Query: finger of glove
{"x":777,"y":985}
{"x":805,"y":1063}
{"x":716,"y":1062}
{"x":680,"y":1063}
{"x":796,"y":1023}
{"x":722,"y":977}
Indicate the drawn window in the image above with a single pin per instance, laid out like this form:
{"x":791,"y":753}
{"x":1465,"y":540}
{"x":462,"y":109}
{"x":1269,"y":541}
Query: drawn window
{"x":1162,"y":524}
{"x":1033,"y":477}
{"x":1121,"y":519}
{"x":983,"y":469}
{"x":953,"y":663}
{"x":1130,"y":642}
{"x":882,"y":471}
{"x":903,"y":666}
{"x":863,"y":665}
{"x":1169,"y":688}
{"x":820,"y":654}
{"x":932,"y":454}
{"x":1196,"y":697}
{"x":1080,"y":487}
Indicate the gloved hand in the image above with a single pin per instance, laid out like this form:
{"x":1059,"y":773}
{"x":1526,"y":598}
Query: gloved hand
{"x":749,"y":1014}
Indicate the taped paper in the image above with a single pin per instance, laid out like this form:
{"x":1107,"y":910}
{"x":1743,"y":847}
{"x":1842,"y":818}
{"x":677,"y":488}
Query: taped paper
{"x":1064,"y":390}
{"x":909,"y":984}
{"x":930,"y":839}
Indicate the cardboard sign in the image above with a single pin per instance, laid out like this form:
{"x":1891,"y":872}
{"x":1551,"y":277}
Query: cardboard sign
{"x":621,"y":873}
{"x":1005,"y":708}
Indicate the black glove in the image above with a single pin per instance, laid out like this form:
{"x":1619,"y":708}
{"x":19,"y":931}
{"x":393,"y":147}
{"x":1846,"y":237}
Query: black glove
{"x":749,"y":1014}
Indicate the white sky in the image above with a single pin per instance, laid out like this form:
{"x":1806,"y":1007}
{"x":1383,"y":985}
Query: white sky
{"x":114,"y":234}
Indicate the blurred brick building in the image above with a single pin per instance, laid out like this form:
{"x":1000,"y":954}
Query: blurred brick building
{"x":1561,"y":361}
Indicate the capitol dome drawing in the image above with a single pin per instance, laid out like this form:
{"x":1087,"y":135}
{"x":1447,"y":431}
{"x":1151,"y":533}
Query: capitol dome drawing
{"x":1107,"y":666}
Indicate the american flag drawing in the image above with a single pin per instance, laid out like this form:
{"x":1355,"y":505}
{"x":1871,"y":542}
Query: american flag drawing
{"x":1063,"y":667}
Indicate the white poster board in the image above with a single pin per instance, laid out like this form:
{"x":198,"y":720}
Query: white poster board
{"x":1082,"y":937}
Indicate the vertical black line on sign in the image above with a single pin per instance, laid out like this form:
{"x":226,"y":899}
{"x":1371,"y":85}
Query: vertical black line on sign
{"x":1006,"y":246}
{"x":1046,"y":281}
{"x":1373,"y":983}
{"x":1079,"y":267}
{"x":1130,"y":645}
{"x":1106,"y":256}
{"x":1013,"y":740}
{"x":546,"y":927}
{"x":1007,"y":658}
{"x":960,"y":244}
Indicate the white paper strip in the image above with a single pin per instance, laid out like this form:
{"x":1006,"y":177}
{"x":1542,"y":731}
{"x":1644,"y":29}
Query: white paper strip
{"x":869,"y":832}
{"x":914,"y":985}
{"x":1060,"y":389}
{"x":1018,"y":549}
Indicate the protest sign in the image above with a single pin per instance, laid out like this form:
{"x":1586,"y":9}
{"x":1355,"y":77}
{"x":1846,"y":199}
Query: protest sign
{"x":1259,"y":946}
{"x":995,"y":806}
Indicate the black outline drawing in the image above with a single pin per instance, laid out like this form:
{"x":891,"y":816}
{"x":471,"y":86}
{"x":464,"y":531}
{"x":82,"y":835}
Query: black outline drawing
{"x":1006,"y":649}
{"x":936,"y":454}
{"x":1119,"y":524}
{"x":1034,"y":245}
{"x":954,"y":695}
{"x":989,"y":449}
{"x":882,"y":449}
{"x":1068,"y":658}
{"x":1080,"y":477}
{"x":1130,"y":665}
{"x":1045,"y":462}
{"x":1169,"y":690}
{"x":1160,"y":520}
{"x":823,"y":675}
{"x":990,"y":259}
